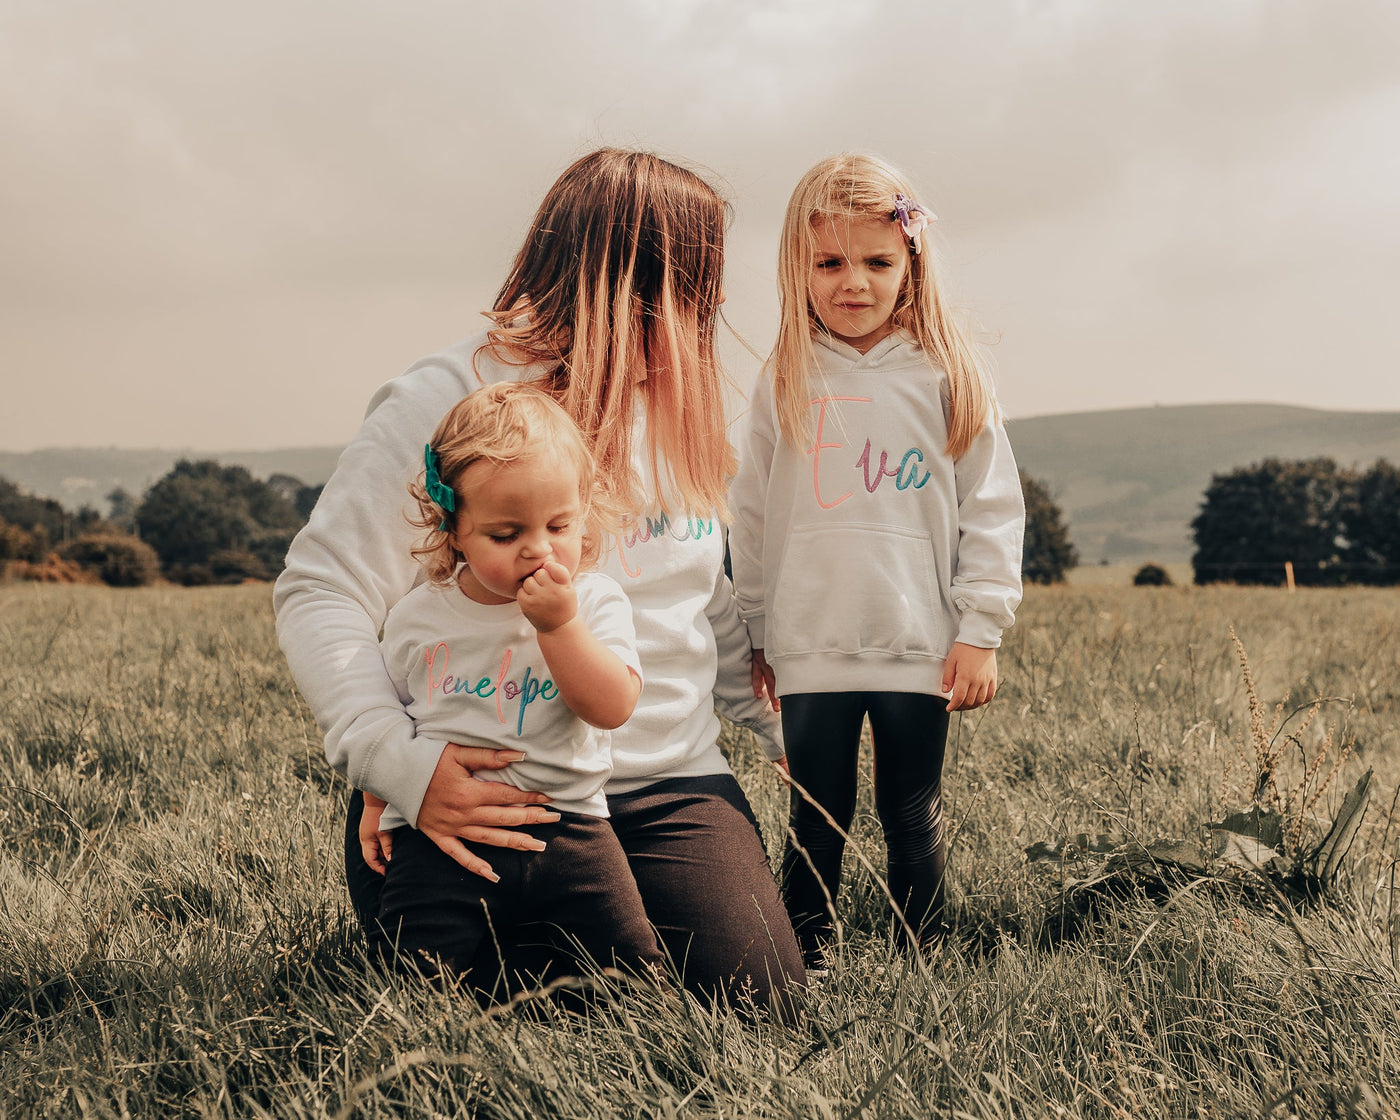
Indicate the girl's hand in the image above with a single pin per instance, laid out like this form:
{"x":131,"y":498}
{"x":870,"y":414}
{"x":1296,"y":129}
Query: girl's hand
{"x":764,"y":681}
{"x":375,"y":846}
{"x":969,"y":676}
{"x":783,"y":771}
{"x":548,"y":597}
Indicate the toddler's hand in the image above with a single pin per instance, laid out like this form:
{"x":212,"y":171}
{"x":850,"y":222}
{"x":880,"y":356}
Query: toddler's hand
{"x":969,"y":676}
{"x":375,"y":846}
{"x":548,"y":598}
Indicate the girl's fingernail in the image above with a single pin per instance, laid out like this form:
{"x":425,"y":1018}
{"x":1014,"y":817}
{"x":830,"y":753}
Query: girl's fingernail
{"x":512,"y":756}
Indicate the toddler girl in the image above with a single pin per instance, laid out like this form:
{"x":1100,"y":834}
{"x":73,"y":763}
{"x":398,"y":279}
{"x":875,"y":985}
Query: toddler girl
{"x":877,"y":534}
{"x":510,"y":646}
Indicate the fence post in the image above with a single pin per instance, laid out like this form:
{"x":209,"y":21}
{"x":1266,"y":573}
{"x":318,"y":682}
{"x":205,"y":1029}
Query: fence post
{"x":1288,"y":574}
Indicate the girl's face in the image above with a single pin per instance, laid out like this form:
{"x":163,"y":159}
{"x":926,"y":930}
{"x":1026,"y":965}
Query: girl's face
{"x":514,"y":517}
{"x":858,"y":270}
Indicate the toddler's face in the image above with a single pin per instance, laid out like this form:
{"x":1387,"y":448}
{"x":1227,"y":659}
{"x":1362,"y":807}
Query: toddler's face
{"x":858,"y":268}
{"x":514,"y":518}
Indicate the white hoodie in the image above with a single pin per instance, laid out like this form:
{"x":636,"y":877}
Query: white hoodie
{"x":351,"y":564}
{"x":859,"y":561}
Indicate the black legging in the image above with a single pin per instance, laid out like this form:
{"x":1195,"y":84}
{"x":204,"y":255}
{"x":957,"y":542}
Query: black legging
{"x":822,"y":731}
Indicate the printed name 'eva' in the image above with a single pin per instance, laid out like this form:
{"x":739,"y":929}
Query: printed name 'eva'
{"x":905,"y":475}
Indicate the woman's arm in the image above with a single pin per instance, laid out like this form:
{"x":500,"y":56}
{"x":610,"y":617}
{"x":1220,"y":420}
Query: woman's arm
{"x":748,"y":499}
{"x":344,"y":571}
{"x":744,"y":686}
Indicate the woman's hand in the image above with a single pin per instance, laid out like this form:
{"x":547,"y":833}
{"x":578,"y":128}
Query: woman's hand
{"x":969,"y":676}
{"x":458,"y":807}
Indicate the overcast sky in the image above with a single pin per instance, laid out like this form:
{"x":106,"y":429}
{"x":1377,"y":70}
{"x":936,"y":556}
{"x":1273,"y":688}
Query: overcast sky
{"x":222,"y":226}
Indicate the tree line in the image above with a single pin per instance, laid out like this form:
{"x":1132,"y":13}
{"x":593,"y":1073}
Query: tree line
{"x":204,"y":522}
{"x":208,"y":523}
{"x":1332,"y":525}
{"x":201,"y":523}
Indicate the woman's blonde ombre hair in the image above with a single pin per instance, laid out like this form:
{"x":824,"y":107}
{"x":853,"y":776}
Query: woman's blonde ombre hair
{"x":501,"y":424}
{"x":618,"y":285}
{"x":851,"y":187}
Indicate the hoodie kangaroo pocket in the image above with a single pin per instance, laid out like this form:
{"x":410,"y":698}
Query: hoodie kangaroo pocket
{"x":855,"y":588}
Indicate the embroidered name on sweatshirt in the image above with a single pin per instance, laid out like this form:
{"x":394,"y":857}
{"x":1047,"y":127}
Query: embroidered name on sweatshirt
{"x":658,"y":529}
{"x":504,"y":692}
{"x":909,"y":474}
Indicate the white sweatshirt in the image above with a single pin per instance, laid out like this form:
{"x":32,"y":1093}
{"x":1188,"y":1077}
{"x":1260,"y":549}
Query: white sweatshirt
{"x":859,"y":561}
{"x":351,"y":564}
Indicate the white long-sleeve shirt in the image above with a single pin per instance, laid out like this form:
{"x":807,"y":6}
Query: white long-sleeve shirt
{"x":860,"y":559}
{"x":351,"y":563}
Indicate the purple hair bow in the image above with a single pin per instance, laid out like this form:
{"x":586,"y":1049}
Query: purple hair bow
{"x":913,"y":219}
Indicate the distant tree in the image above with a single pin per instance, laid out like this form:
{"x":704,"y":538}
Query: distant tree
{"x":1152,"y":575}
{"x":306,"y":500}
{"x":201,"y":508}
{"x":121,"y":509}
{"x":285,"y":485}
{"x":1373,"y":526}
{"x":234,"y":565}
{"x":301,"y":496}
{"x":31,"y":513}
{"x":1256,"y":518}
{"x":119,"y":559}
{"x":1048,"y":553}
{"x":15,"y":543}
{"x":87,"y":521}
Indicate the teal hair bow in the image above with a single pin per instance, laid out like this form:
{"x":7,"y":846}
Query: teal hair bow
{"x":437,"y":490}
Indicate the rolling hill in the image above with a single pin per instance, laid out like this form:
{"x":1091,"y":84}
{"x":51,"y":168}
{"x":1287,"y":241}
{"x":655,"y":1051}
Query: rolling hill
{"x":1129,"y":480}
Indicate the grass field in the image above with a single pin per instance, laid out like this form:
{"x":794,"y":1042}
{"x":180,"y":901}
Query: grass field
{"x":175,"y":938}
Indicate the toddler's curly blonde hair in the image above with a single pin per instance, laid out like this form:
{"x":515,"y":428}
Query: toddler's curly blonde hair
{"x":501,"y":424}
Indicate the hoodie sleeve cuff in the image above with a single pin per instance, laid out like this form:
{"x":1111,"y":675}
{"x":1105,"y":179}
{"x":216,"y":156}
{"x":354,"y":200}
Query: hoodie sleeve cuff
{"x":980,"y":630}
{"x":769,"y":734}
{"x":401,"y":775}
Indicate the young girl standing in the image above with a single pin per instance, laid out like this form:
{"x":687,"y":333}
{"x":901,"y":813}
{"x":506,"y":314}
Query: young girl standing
{"x":510,"y":645}
{"x":876,"y":541}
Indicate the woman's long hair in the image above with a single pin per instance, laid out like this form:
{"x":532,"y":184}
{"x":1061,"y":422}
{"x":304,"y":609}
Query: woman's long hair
{"x":854,"y":188}
{"x":618,"y":285}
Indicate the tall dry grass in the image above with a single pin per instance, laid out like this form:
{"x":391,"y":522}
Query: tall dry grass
{"x":175,"y":938}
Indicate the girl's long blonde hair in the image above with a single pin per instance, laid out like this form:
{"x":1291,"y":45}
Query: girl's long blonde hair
{"x":851,"y":187}
{"x":501,"y":424}
{"x":618,"y":285}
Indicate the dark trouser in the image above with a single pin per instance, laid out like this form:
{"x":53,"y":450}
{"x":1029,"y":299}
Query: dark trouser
{"x":701,"y":870}
{"x":822,"y":731}
{"x":575,"y":901}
